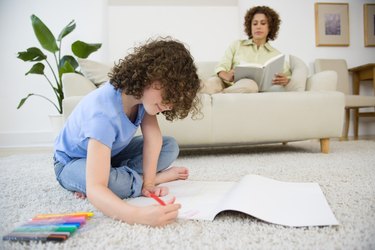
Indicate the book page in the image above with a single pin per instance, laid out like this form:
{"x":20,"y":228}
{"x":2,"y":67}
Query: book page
{"x":199,"y":199}
{"x":248,"y":71}
{"x":271,"y":67}
{"x":284,"y":203}
{"x":261,"y":74}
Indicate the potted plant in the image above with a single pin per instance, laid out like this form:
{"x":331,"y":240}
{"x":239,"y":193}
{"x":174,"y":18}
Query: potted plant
{"x":61,"y":63}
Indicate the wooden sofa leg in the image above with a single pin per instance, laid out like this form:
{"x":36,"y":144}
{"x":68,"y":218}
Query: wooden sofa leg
{"x":324,"y":145}
{"x":345,"y":131}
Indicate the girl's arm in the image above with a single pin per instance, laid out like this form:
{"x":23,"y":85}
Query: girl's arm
{"x":152,"y":140}
{"x":98,"y":193}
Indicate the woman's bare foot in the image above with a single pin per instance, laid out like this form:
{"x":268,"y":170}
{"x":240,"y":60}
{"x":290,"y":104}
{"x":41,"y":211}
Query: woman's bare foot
{"x":172,"y":174}
{"x":79,"y":195}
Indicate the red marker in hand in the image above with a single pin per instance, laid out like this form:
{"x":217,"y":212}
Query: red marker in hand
{"x":160,"y":201}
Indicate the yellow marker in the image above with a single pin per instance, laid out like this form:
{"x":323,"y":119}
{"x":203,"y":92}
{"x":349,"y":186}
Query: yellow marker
{"x":48,"y":216}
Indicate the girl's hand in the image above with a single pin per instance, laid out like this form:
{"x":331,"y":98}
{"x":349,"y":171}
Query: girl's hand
{"x":158,"y":191}
{"x":280,"y":79}
{"x":158,"y":215}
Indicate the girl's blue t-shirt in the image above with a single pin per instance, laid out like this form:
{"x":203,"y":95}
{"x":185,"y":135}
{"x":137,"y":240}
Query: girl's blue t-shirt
{"x":99,"y":115}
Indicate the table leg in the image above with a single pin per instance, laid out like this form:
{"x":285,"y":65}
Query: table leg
{"x":345,"y":132}
{"x":355,"y":83}
{"x":355,"y":125}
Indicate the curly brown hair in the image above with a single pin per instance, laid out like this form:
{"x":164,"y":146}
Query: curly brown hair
{"x":165,"y":60}
{"x":272,"y":17}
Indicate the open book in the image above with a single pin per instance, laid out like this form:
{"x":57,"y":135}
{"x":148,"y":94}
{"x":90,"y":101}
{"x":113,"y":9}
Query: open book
{"x":261,"y":74}
{"x":283,"y":203}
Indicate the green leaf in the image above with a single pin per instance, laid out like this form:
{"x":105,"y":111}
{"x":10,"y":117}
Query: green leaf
{"x":23,"y":100}
{"x":32,"y":54}
{"x":72,"y":61}
{"x":37,"y":68}
{"x":66,"y":30}
{"x":44,"y":35}
{"x":83,"y":50}
{"x":66,"y":68}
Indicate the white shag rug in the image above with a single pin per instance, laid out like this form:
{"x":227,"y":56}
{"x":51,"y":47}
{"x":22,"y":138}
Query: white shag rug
{"x":346,"y":176}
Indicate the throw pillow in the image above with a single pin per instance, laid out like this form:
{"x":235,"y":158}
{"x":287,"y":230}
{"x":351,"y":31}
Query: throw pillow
{"x":299,"y":74}
{"x":94,"y":71}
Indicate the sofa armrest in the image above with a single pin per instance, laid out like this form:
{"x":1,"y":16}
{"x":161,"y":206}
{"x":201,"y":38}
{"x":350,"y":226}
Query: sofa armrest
{"x":324,"y":80}
{"x":69,"y":103}
{"x":76,"y":85}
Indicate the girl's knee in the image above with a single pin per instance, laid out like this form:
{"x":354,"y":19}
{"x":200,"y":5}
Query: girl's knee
{"x":72,"y":176}
{"x":125,"y":182}
{"x":170,"y":145}
{"x":168,"y":153}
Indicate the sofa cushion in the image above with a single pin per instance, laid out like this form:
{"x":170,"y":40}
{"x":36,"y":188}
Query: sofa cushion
{"x":299,"y":74}
{"x":94,"y":71}
{"x":76,"y":85}
{"x":324,"y":80}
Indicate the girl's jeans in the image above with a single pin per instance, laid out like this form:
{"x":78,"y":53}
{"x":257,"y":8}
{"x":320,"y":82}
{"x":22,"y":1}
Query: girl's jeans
{"x":125,"y":178}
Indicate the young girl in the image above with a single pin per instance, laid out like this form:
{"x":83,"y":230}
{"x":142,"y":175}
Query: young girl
{"x":96,"y":154}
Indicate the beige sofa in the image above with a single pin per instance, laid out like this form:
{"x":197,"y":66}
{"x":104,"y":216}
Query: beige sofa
{"x":309,"y":109}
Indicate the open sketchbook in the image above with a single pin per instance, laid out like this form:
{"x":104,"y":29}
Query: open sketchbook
{"x":283,"y":203}
{"x":261,"y":74}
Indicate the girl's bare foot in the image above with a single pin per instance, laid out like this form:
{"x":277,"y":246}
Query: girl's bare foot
{"x":79,"y":195}
{"x":172,"y":174}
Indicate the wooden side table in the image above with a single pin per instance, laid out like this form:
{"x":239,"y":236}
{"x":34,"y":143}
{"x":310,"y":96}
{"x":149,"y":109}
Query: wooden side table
{"x":362,"y":73}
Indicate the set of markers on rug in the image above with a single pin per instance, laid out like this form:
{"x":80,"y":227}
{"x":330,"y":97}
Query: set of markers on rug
{"x":49,"y":227}
{"x":54,"y":227}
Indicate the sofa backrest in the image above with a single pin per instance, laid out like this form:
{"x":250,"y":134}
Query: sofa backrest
{"x":97,"y":73}
{"x":206,"y":69}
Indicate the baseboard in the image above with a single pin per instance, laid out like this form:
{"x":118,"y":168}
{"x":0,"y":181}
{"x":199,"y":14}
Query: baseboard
{"x":45,"y":139}
{"x":27,"y":139}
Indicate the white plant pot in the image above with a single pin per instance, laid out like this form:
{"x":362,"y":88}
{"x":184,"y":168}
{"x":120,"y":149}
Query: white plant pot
{"x":57,"y":123}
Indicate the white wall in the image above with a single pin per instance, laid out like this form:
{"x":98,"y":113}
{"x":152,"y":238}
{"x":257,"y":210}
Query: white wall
{"x":206,"y":26}
{"x":297,"y":31}
{"x":202,"y":28}
{"x":30,"y":125}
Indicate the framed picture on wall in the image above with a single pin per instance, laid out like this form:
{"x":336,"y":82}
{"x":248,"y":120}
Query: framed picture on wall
{"x":332,"y":24}
{"x":369,"y":24}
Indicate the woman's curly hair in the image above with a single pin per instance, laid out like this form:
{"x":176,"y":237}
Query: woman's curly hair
{"x":272,"y":17}
{"x":164,"y":60}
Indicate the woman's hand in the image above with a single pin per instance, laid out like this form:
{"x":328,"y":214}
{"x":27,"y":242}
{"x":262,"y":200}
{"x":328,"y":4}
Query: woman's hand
{"x":227,"y":76}
{"x":280,"y":79}
{"x":158,"y":191}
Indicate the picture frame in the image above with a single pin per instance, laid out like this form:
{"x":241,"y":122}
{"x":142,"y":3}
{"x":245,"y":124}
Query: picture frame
{"x":369,"y":24}
{"x":331,"y":24}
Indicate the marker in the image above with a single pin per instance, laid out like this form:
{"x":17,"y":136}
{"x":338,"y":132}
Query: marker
{"x":78,"y":214}
{"x":76,"y":219}
{"x":42,"y":236}
{"x":160,"y":201}
{"x":46,"y":228}
{"x":57,"y":223}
